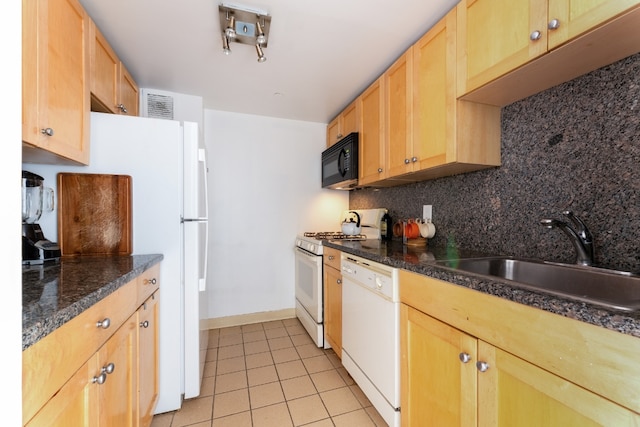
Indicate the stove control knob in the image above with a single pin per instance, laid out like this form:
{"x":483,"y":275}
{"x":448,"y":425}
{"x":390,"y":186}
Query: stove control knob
{"x":312,"y":248}
{"x":298,"y":242}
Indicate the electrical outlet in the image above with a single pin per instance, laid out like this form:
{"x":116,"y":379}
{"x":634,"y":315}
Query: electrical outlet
{"x":427,"y":212}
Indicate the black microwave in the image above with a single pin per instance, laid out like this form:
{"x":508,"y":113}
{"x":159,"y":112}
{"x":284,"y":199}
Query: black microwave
{"x":340,"y":164}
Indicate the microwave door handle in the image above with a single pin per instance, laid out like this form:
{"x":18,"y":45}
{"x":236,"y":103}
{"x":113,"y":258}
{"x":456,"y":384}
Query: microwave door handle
{"x":341,"y":156}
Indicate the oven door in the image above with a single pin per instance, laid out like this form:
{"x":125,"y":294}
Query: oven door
{"x":309,"y":283}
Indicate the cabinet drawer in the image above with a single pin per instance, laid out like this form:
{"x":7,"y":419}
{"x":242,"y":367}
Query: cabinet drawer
{"x":49,"y":363}
{"x":148,"y":283}
{"x":331,"y":257}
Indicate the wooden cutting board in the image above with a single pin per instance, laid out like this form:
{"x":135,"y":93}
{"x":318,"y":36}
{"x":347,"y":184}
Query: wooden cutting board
{"x":94,"y":214}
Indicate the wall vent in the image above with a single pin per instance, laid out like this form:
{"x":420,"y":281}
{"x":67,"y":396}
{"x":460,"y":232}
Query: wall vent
{"x":159,"y":106}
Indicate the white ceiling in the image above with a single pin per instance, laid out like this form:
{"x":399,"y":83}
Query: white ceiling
{"x":320,"y":54}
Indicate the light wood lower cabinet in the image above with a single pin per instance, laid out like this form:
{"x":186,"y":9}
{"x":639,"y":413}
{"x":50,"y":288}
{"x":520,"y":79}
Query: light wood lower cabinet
{"x":333,"y":299}
{"x":470,"y":359}
{"x":115,"y":384}
{"x":148,"y":315}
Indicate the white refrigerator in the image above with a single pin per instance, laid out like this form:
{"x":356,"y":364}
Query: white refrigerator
{"x":169,"y":180}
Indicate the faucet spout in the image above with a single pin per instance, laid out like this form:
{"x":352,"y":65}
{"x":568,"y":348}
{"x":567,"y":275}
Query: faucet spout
{"x":580,"y":236}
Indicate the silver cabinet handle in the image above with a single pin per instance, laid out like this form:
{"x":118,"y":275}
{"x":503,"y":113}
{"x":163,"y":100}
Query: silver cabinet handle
{"x":414,"y":159}
{"x":535,"y":35}
{"x":482,"y":366}
{"x":47,"y":131}
{"x":109,"y":368}
{"x":338,"y":136}
{"x":104,"y":371}
{"x":150,"y":281}
{"x":464,"y":357}
{"x":104,"y":324}
{"x":122,"y":108}
{"x":339,"y":281}
{"x":406,"y":161}
{"x":331,"y":257}
{"x":554,"y":24}
{"x":144,"y":324}
{"x":379,"y":170}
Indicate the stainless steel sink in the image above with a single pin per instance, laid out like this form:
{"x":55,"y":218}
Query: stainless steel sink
{"x":608,"y":288}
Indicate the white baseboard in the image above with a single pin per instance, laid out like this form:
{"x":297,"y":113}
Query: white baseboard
{"x":246,"y":319}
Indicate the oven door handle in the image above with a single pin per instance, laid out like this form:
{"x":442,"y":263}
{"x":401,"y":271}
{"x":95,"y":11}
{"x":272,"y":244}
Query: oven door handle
{"x":307,"y":254}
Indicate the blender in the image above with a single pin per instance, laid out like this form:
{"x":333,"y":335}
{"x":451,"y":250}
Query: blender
{"x":36,"y":249}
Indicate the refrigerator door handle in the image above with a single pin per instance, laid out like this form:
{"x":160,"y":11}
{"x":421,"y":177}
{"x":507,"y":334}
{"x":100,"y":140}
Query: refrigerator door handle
{"x":202,"y":157}
{"x":202,"y":283}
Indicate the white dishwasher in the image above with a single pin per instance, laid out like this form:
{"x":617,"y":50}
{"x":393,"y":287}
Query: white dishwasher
{"x":371,"y":332}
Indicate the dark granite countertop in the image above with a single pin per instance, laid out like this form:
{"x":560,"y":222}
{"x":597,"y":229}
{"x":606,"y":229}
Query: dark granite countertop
{"x":54,"y":293}
{"x":421,"y":260}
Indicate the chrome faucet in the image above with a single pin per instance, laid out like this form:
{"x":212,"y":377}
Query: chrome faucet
{"x":580,"y":236}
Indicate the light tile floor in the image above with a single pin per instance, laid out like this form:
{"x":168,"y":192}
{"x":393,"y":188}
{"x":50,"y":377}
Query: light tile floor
{"x":272,"y":375}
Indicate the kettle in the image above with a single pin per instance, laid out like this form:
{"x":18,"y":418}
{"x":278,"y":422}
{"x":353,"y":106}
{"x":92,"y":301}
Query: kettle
{"x":351,"y":228}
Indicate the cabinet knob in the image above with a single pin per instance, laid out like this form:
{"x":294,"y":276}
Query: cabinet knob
{"x":144,"y":324}
{"x":122,"y":108}
{"x":100,"y":379}
{"x":150,"y":281}
{"x":482,"y":366}
{"x":104,"y":324}
{"x":331,"y":257}
{"x":339,"y":281}
{"x":406,"y":161}
{"x":379,"y":170}
{"x":109,"y":368}
{"x":414,"y":159}
{"x":464,"y":357}
{"x":554,"y":24}
{"x":338,"y":136}
{"x":47,"y":131}
{"x":535,"y":35}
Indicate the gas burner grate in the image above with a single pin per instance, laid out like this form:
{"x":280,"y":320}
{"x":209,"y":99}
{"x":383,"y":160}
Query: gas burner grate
{"x":334,"y":235}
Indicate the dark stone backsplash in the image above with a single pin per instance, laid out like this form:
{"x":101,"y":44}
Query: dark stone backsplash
{"x":575,"y":146}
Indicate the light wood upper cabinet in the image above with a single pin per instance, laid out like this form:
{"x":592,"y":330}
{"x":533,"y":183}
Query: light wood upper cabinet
{"x":495,"y":36}
{"x":55,"y":82}
{"x":398,"y":84}
{"x":499,"y":38}
{"x":371,"y":167}
{"x":333,"y":299}
{"x":343,"y":125}
{"x":129,"y":94}
{"x":113,"y":90}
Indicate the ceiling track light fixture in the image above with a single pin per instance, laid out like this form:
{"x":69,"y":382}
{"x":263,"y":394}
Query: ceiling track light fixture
{"x":246,"y":26}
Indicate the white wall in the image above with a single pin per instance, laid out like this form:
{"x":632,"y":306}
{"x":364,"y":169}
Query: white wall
{"x":264,"y":189}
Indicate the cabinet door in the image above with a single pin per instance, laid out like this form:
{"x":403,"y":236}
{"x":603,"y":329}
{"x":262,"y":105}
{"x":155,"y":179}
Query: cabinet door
{"x":333,"y":308}
{"x":515,"y":393}
{"x":148,"y":359}
{"x":372,"y":134}
{"x":75,"y":404}
{"x":104,"y":73}
{"x":333,"y":132}
{"x":398,"y":114}
{"x":55,"y":108}
{"x":117,"y":395}
{"x":349,"y":119}
{"x":128,"y":99}
{"x":494,"y":38}
{"x":434,"y":88}
{"x":438,"y":388}
{"x":575,"y":17}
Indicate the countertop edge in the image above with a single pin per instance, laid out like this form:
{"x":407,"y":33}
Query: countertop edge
{"x":40,"y":329}
{"x":623,"y":322}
